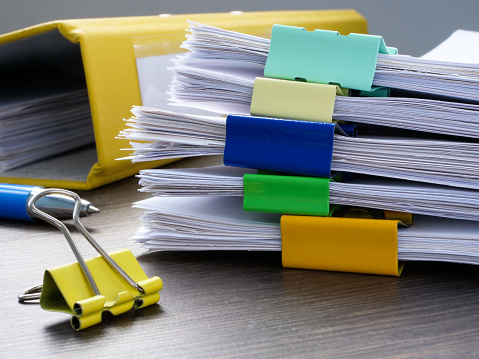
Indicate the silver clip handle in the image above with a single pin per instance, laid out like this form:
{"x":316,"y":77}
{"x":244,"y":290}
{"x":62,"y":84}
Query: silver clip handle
{"x":29,"y":294}
{"x":32,"y":293}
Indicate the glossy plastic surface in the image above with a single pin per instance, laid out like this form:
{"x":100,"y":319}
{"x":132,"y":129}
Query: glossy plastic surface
{"x":286,"y":194}
{"x":13,"y":201}
{"x":324,"y":56}
{"x":289,"y":146}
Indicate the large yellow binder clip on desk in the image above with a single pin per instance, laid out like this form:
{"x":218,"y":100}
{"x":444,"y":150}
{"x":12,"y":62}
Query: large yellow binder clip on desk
{"x":85,"y":289}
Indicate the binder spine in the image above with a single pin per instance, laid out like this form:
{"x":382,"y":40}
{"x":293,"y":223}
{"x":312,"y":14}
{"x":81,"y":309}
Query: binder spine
{"x":286,"y":194}
{"x":290,"y":146}
{"x":324,"y":56}
{"x":304,"y":101}
{"x":341,"y":244}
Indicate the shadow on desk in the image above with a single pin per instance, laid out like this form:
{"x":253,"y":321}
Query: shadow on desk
{"x":238,"y":304}
{"x":257,"y":277}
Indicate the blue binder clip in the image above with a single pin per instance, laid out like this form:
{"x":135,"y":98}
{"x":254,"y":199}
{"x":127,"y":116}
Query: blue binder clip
{"x":299,"y":147}
{"x":324,"y":56}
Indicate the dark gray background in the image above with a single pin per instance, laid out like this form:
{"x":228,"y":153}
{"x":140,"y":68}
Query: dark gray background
{"x":414,"y":26}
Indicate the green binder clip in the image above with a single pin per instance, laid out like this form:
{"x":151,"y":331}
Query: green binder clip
{"x":297,"y":100}
{"x":287,"y":195}
{"x":85,"y":289}
{"x":324,"y":56}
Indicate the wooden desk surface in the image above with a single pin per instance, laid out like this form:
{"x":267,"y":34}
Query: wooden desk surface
{"x":235,"y":304}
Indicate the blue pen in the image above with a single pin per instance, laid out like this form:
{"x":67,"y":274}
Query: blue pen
{"x":14,"y":199}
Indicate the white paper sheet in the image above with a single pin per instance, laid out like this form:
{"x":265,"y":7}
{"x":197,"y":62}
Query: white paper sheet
{"x":219,"y":223}
{"x":450,"y":163}
{"x":460,"y":46}
{"x":33,"y":129}
{"x":368,"y":192}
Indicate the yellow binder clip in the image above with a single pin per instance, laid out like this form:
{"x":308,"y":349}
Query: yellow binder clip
{"x":85,"y":289}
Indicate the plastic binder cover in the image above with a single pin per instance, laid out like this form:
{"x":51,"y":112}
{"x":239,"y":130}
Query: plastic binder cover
{"x":98,"y":54}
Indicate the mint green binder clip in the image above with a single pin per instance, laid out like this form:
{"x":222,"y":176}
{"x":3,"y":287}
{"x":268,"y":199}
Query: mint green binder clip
{"x":287,"y":194}
{"x":324,"y":56}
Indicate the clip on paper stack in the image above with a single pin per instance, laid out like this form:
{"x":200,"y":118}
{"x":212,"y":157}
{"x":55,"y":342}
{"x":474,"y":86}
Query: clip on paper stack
{"x":312,"y":240}
{"x":301,"y":83}
{"x":299,"y":147}
{"x":297,"y":54}
{"x":355,"y":245}
{"x":287,"y":194}
{"x":297,"y":100}
{"x":85,"y":289}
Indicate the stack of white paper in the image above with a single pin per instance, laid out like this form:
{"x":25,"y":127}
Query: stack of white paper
{"x":450,"y":163}
{"x":210,"y":77}
{"x":219,"y":223}
{"x":205,"y":223}
{"x":452,"y":79}
{"x":369,"y":192}
{"x":201,"y":209}
{"x":31,"y":130}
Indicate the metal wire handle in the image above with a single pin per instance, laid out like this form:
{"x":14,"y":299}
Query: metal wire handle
{"x":32,"y":293}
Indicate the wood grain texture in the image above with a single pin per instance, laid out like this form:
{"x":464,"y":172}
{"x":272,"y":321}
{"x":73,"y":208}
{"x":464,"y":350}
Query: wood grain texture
{"x":236,"y":304}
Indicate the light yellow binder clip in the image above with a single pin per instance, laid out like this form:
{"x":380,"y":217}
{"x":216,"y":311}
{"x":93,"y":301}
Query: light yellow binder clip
{"x":304,"y":101}
{"x":85,"y":289}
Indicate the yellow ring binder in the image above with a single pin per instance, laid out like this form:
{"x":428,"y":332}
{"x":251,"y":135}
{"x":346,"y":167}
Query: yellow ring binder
{"x":105,"y":56}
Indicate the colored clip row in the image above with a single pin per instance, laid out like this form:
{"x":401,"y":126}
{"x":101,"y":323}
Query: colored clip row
{"x":341,"y":244}
{"x":309,"y":241}
{"x":291,"y":146}
{"x":324,"y":56}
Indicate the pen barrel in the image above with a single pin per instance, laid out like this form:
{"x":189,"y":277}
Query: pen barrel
{"x":13,"y":201}
{"x":59,"y":206}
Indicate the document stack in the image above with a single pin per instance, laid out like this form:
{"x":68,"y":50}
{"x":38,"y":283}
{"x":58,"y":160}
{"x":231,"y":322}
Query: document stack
{"x":337,"y":151}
